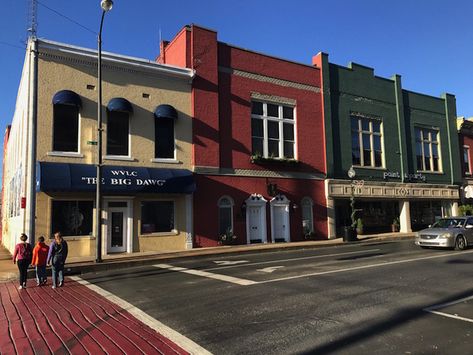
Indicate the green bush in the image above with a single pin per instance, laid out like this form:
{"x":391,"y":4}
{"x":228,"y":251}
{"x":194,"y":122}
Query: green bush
{"x":466,"y":210}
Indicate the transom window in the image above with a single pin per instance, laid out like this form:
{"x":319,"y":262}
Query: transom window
{"x":272,"y":130}
{"x":466,"y":160}
{"x":366,"y":141}
{"x":427,"y":149}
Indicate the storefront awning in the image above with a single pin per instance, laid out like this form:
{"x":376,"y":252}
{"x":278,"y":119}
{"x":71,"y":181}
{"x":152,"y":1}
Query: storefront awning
{"x":63,"y":177}
{"x":165,"y":111}
{"x":119,"y":104}
{"x":67,"y":97}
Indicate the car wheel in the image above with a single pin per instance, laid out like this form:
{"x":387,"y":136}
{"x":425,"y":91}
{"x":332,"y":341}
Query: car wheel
{"x":460,"y":243}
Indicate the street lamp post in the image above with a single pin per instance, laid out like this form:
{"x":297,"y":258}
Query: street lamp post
{"x":106,"y":6}
{"x":350,"y":230}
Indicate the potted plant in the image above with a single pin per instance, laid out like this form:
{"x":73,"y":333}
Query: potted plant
{"x":359,"y":226}
{"x":227,"y":238}
{"x":396,"y":225}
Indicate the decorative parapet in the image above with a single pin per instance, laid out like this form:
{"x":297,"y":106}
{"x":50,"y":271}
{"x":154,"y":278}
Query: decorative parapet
{"x":387,"y":190}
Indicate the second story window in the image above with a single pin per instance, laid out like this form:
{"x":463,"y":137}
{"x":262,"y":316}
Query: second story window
{"x":366,"y":142}
{"x":118,"y":127}
{"x":427,"y":149}
{"x":466,"y":160}
{"x":66,"y":105}
{"x":165,"y":115}
{"x":272,"y":130}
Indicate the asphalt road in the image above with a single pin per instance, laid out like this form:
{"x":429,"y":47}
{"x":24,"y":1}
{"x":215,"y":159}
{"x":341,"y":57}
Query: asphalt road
{"x":367,"y":298}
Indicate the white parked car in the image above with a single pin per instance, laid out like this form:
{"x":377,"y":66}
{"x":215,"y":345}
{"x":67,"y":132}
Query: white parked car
{"x":451,"y":232}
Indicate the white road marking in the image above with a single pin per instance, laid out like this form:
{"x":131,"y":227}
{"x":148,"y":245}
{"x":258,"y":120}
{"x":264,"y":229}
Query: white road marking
{"x":235,"y":280}
{"x":454,"y":316}
{"x":270,"y":269}
{"x":364,"y":267}
{"x":171,"y":334}
{"x":294,"y":259}
{"x":229,"y":262}
{"x":432,"y":309}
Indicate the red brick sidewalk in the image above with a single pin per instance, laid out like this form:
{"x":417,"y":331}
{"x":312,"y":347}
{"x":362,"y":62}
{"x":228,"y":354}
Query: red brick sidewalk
{"x":72,"y":319}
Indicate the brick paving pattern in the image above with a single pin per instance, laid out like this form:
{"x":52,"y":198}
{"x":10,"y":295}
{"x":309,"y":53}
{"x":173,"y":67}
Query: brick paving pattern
{"x":72,"y":320}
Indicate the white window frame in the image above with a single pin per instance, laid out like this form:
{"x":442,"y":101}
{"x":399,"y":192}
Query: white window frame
{"x":221,"y":205}
{"x":127,"y":157}
{"x":466,"y":149}
{"x":280,"y":120}
{"x":307,"y":202}
{"x":64,"y":153}
{"x":360,"y":133}
{"x":430,"y":142}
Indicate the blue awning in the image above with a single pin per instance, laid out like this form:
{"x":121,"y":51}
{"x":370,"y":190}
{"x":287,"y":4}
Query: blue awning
{"x":165,"y":111}
{"x":63,"y":177}
{"x":67,"y":97}
{"x":120,"y":104}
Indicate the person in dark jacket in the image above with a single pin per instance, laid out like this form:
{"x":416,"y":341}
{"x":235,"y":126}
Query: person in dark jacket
{"x":22,"y":257}
{"x":57,"y":258}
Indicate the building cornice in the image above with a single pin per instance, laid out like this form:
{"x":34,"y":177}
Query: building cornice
{"x":205,"y":170}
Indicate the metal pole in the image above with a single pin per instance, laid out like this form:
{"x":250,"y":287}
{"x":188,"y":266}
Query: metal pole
{"x":98,"y":183}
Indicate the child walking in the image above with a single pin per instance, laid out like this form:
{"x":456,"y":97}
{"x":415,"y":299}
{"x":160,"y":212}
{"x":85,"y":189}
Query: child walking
{"x":40,"y":255}
{"x":22,"y":257}
{"x":57,"y":258}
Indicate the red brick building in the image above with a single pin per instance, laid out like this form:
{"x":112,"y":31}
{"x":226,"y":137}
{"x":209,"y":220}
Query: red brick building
{"x":258,"y":142}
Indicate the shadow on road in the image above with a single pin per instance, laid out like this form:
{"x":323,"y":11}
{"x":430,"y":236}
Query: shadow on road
{"x":376,"y":329}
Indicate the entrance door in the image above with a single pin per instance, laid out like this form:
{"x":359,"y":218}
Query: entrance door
{"x":117,"y":229}
{"x":280,"y":219}
{"x":254,"y":214}
{"x":256,"y":219}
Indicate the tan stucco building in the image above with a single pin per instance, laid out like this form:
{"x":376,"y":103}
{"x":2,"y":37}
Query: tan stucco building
{"x":51,"y":154}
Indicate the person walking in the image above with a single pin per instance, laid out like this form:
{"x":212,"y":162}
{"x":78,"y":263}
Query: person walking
{"x":22,"y":257}
{"x":40,"y":254}
{"x":57,"y":258}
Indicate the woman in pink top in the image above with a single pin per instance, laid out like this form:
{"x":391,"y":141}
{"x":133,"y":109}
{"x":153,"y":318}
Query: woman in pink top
{"x":22,"y":257}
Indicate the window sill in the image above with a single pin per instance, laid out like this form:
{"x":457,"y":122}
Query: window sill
{"x":263,"y":160}
{"x":65,"y":154}
{"x":166,"y":161}
{"x":160,"y":234}
{"x":78,"y":237}
{"x":118,"y":157}
{"x":379,"y":168}
{"x":430,"y":172}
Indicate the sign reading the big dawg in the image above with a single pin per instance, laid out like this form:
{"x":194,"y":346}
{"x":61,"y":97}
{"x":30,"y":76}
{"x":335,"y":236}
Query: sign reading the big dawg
{"x":124,"y":177}
{"x":115,"y":179}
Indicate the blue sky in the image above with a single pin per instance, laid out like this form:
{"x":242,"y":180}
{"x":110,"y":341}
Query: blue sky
{"x":428,"y":42}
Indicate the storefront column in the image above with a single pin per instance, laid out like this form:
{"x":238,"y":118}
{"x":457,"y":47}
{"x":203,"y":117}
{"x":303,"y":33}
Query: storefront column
{"x":455,"y":211}
{"x":331,"y":221}
{"x":405,"y":217}
{"x":189,"y":223}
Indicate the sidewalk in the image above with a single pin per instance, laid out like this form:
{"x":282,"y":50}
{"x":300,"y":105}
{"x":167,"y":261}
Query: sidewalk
{"x":72,"y":320}
{"x":82,"y":265}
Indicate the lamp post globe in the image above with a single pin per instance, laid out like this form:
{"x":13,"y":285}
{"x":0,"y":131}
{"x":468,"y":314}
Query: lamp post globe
{"x":106,"y":5}
{"x":351,"y":173}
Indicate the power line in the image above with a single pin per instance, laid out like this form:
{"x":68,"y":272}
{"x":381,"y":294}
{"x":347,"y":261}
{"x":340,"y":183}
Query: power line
{"x":11,"y":45}
{"x":67,"y":18}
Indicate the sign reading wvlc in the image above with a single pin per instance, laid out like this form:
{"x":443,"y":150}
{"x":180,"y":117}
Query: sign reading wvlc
{"x":124,"y":177}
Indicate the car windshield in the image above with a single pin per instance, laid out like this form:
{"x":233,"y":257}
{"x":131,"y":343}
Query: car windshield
{"x":448,"y":223}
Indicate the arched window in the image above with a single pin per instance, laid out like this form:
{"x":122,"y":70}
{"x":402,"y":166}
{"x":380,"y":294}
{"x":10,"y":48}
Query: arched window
{"x":225,"y":214}
{"x":165,"y":115}
{"x":307,"y":215}
{"x":118,"y":127}
{"x":66,"y":106}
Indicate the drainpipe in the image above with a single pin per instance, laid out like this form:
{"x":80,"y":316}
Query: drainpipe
{"x":31,"y":166}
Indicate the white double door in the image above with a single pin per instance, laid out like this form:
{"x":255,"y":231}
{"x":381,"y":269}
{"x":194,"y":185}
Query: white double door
{"x":256,"y":219}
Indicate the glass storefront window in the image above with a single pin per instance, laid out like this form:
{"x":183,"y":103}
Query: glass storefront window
{"x":72,"y":218}
{"x":157,"y":216}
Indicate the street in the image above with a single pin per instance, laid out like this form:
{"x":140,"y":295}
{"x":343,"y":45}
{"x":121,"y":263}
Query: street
{"x":377,"y":298}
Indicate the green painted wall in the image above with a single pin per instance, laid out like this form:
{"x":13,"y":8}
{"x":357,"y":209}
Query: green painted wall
{"x":355,"y":89}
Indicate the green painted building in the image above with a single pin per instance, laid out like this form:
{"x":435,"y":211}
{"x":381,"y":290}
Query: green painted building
{"x":403,"y":147}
